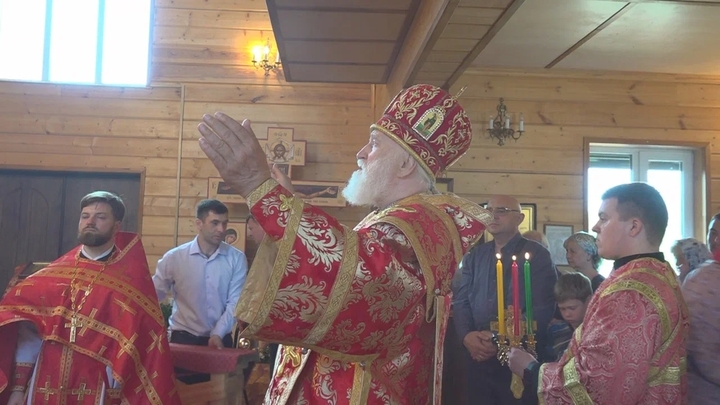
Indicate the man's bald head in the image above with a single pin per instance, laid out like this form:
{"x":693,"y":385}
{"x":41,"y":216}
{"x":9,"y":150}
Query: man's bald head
{"x":507,"y":216}
{"x":504,"y":201}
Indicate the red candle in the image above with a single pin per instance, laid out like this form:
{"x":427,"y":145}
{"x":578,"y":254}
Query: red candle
{"x":516,"y":297}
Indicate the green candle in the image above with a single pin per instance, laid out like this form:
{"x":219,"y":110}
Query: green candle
{"x":528,"y":296}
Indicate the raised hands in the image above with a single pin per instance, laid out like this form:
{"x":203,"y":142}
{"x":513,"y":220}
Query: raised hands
{"x":234,"y":151}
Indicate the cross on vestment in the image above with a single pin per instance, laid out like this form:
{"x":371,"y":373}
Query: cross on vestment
{"x":86,"y":289}
{"x":73,"y":325}
{"x":18,"y":291}
{"x":81,"y":392}
{"x":46,"y":391}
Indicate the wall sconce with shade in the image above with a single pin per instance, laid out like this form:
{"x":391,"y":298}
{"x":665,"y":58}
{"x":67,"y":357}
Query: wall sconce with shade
{"x":499,"y":127}
{"x":261,"y":58}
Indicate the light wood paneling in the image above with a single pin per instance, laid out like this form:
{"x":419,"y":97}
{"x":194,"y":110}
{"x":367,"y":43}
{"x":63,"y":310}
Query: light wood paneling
{"x":313,"y":24}
{"x":469,"y":27}
{"x":349,"y":96}
{"x":340,"y":26}
{"x":214,"y":5}
{"x":540,"y":31}
{"x":202,"y":55}
{"x":475,"y":16}
{"x":94,"y":128}
{"x":201,"y":64}
{"x":333,"y":119}
{"x":212,"y":19}
{"x":383,"y":5}
{"x":672,"y":37}
{"x":465,"y":31}
{"x":339,"y":52}
{"x":545,"y":166}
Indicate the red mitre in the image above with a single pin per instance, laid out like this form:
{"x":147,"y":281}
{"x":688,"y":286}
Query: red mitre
{"x":430,"y":124}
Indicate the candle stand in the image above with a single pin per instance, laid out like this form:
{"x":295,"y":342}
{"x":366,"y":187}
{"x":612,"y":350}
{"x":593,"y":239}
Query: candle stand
{"x":507,"y":339}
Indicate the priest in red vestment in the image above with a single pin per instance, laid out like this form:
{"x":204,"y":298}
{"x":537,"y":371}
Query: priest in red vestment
{"x":361,"y":313}
{"x":87,"y":329}
{"x":630,"y":348}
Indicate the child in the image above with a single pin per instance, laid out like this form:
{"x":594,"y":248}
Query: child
{"x":572,"y":294}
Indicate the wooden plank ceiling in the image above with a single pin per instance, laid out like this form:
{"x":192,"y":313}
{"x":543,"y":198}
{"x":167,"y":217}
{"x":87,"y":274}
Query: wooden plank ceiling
{"x":359,"y":40}
{"x":351,"y":41}
{"x":672,"y":36}
{"x":469,"y":26}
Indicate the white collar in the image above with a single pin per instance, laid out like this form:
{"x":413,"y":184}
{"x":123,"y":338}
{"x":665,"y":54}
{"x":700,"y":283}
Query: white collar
{"x":100,"y":256}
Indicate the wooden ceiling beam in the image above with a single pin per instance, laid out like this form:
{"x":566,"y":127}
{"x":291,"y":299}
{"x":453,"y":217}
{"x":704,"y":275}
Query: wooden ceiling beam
{"x":591,"y":34}
{"x":504,"y":18}
{"x":430,"y":20}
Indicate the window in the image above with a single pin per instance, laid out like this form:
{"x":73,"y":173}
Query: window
{"x":669,"y":170}
{"x":75,"y":41}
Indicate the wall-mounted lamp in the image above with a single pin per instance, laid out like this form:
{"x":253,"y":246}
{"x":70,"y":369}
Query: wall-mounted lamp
{"x":261,"y":58}
{"x":499,"y":127}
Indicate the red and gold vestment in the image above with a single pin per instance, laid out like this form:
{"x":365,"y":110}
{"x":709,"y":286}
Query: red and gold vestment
{"x":362,"y":312}
{"x":121,"y":329}
{"x":631,"y":347}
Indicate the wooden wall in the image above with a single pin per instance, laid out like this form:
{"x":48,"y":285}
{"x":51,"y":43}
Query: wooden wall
{"x":561,"y":109}
{"x":200,"y":64}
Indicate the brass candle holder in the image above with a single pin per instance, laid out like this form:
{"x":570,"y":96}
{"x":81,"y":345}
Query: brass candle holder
{"x":507,"y":339}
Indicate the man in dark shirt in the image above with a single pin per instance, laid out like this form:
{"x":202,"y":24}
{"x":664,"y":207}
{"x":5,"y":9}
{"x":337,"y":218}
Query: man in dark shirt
{"x":475,"y":302}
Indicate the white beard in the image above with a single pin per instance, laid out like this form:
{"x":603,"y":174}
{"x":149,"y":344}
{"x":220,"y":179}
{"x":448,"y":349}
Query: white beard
{"x":367,"y":185}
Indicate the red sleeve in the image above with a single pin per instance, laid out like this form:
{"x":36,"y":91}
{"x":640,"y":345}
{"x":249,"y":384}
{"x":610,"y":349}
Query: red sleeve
{"x":326,"y":284}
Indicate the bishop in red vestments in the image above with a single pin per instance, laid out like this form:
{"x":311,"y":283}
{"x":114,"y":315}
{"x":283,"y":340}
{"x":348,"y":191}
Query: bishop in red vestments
{"x":361,"y":313}
{"x":87,"y":329}
{"x":630,"y":349}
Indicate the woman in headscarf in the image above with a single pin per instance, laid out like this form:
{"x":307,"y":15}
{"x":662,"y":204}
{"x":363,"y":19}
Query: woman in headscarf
{"x":700,"y":290}
{"x":689,"y":254}
{"x":582,"y":255}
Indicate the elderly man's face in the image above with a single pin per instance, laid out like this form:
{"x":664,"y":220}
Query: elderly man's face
{"x":379,"y":162}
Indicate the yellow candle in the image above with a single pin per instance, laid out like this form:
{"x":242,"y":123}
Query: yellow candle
{"x":500,"y":297}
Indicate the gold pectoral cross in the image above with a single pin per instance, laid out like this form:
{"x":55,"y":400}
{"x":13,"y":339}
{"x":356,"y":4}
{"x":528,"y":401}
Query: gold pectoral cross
{"x":73,"y":325}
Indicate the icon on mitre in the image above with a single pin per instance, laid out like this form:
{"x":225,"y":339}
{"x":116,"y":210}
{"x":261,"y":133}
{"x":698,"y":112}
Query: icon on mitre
{"x":429,"y":122}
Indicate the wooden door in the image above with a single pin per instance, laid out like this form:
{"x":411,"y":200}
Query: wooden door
{"x":30,"y":219}
{"x":39,"y":212}
{"x":78,"y":185}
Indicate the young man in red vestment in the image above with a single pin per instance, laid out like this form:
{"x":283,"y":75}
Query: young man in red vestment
{"x":630,"y":348}
{"x":361,"y":313}
{"x":87,"y":329}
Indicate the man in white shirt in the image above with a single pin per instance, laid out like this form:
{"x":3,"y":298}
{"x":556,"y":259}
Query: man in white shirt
{"x":205,"y":277}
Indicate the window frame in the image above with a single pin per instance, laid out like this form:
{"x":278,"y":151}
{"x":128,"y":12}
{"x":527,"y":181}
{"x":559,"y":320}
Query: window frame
{"x":700,"y":176}
{"x":100,"y":49}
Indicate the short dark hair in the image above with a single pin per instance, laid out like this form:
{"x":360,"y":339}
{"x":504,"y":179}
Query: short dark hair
{"x":231,"y":231}
{"x":113,"y":200}
{"x":572,"y":286}
{"x":251,"y":217}
{"x":642,"y":201}
{"x":205,"y":206}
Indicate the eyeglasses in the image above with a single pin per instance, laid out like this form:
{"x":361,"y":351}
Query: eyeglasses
{"x":500,"y":211}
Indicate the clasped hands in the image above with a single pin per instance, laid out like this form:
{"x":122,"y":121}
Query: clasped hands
{"x":481,"y":347}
